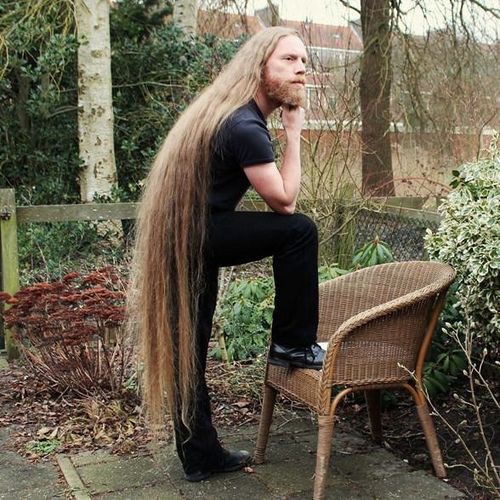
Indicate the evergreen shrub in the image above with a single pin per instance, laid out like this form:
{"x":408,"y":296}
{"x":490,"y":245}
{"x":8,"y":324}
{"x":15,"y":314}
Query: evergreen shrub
{"x":469,"y":240}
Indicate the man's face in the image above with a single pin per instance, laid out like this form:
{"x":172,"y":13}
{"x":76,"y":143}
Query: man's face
{"x":284,"y":73}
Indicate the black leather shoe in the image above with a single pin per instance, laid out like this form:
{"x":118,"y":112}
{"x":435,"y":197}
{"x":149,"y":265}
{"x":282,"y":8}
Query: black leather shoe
{"x":302,"y":357}
{"x":196,"y":476}
{"x":233,"y":461}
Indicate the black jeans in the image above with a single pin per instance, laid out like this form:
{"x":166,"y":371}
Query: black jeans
{"x":237,"y":238}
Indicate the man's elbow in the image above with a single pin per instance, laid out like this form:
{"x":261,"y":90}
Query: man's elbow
{"x":285,"y":209}
{"x":284,"y":205}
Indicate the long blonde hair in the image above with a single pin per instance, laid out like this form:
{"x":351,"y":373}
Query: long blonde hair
{"x":167,"y":270}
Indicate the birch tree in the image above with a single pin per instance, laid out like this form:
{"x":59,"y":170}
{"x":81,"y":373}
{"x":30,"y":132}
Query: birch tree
{"x":95,"y":106}
{"x":185,"y":15}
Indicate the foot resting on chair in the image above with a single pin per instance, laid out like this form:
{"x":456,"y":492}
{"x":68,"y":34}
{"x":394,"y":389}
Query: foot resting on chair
{"x":233,"y":461}
{"x":302,"y":357}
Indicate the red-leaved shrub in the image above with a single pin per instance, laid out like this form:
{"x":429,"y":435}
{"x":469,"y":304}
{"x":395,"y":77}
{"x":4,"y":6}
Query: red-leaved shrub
{"x":71,"y":332}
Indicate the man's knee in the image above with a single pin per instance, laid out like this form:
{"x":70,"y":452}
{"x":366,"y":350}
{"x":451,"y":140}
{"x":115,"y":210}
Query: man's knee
{"x":304,"y":227}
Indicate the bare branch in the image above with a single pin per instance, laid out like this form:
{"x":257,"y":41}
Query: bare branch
{"x":489,"y":10}
{"x":346,"y":3}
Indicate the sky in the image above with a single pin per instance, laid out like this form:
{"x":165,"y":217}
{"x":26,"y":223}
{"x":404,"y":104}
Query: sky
{"x":438,"y":12}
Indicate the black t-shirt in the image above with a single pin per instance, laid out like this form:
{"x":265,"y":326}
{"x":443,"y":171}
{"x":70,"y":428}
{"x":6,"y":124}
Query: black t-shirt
{"x":243,"y":140}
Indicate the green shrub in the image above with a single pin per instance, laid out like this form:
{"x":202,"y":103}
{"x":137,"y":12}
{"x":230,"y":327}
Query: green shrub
{"x":247,"y":310}
{"x":372,"y":253}
{"x":48,"y":250}
{"x":247,"y":314}
{"x":445,"y":360}
{"x":156,"y":72}
{"x":326,"y":273}
{"x":469,"y":240}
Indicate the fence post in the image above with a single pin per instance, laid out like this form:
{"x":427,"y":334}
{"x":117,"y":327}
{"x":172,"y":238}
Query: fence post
{"x":9,"y":259}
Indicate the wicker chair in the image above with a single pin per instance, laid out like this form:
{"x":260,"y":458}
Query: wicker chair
{"x":378,"y":323}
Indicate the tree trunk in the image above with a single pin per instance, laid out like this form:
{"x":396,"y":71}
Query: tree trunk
{"x":185,"y":15}
{"x":24,"y":84}
{"x":95,"y":105}
{"x":375,"y":92}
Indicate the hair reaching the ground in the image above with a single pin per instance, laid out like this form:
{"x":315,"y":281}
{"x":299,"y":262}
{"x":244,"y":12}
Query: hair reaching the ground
{"x":167,"y":274}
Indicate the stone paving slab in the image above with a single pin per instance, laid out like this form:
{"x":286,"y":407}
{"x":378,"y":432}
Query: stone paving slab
{"x":20,"y":479}
{"x":414,"y":485}
{"x":358,"y":469}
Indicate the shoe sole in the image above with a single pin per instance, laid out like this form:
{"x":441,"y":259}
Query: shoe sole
{"x":201,"y":477}
{"x":292,"y":364}
{"x":204,"y":477}
{"x":234,"y":468}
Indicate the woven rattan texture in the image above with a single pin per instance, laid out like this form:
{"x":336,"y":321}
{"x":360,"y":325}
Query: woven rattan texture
{"x":302,"y":385}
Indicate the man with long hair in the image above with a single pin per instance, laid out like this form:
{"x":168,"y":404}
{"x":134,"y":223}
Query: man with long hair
{"x":188,"y":227}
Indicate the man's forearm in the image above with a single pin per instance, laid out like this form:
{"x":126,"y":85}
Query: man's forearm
{"x":291,"y":168}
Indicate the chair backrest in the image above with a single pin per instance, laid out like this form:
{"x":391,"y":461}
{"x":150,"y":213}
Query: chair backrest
{"x":385,"y":311}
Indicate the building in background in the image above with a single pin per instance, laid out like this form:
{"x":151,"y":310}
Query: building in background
{"x":330,"y":48}
{"x":438,"y":120}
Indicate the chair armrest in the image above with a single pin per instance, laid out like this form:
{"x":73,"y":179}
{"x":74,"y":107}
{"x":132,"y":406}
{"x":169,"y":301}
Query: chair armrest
{"x":347,"y":296}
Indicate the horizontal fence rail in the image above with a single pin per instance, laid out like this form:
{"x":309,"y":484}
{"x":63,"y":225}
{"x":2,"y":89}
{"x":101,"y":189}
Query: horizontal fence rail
{"x":83,"y":212}
{"x":11,"y":216}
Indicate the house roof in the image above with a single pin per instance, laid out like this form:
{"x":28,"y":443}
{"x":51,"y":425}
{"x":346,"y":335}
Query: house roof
{"x":326,"y":35}
{"x":232,"y":26}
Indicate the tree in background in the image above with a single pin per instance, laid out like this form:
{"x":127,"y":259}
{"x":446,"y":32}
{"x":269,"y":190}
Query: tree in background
{"x":375,"y":98}
{"x":445,"y":86}
{"x":95,"y":104}
{"x":39,"y":46}
{"x":186,"y":14}
{"x":443,"y":93}
{"x":38,"y":128}
{"x":156,"y":71}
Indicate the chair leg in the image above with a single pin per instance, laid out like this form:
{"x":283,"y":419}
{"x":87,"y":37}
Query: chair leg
{"x":373,"y":403}
{"x":325,"y":434}
{"x":431,"y":438}
{"x":265,"y":423}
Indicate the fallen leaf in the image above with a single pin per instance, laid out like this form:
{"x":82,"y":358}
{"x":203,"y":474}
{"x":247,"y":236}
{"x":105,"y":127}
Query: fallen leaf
{"x":242,"y":403}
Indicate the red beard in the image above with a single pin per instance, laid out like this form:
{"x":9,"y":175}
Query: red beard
{"x":285,"y":93}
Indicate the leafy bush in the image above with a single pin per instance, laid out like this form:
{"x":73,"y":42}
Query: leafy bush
{"x":445,"y":360}
{"x":247,"y":310}
{"x":48,"y":251}
{"x":156,"y":74}
{"x":372,"y":253}
{"x":469,"y":240}
{"x":155,"y":70}
{"x":69,"y":331}
{"x":247,"y":314}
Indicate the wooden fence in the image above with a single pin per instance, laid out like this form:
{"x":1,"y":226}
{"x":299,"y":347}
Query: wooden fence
{"x":11,"y":216}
